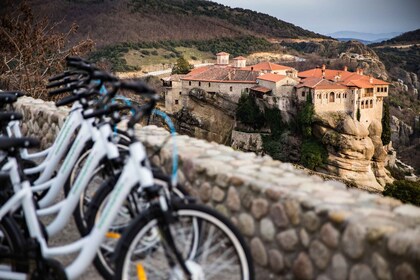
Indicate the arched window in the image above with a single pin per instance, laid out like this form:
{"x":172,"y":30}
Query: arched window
{"x":209,"y":84}
{"x":199,"y":84}
{"x":339,"y":95}
{"x":332,"y":97}
{"x":189,"y":82}
{"x":371,"y":103}
{"x":231,"y":89}
{"x":363,"y":105}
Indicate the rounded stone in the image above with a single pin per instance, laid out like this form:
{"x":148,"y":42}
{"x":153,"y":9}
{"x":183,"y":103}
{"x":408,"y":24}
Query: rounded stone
{"x":267,"y":229}
{"x":339,"y":267}
{"x":304,"y":237}
{"x":222,"y":209}
{"x":322,"y":277}
{"x":354,"y":241}
{"x":380,"y":267}
{"x":217,"y":194}
{"x":222,"y":180}
{"x":303,"y":268}
{"x":405,"y":271}
{"x":233,"y":201}
{"x":288,"y":239}
{"x":399,"y":242}
{"x":205,"y":192}
{"x":246,"y":198}
{"x":292,"y":208}
{"x":258,"y":252}
{"x":319,"y":254}
{"x":259,"y":208}
{"x":246,"y":224}
{"x":310,"y":221}
{"x":276,"y":261}
{"x":361,"y":272}
{"x":278,"y":215}
{"x":236,"y":181}
{"x":329,"y":235}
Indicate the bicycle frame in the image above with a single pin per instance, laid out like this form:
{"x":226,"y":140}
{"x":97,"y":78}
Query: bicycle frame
{"x":88,"y":245}
{"x":54,"y":153}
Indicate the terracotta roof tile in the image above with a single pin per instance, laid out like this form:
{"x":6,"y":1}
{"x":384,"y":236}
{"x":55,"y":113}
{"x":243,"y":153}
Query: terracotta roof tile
{"x":261,"y":89}
{"x":222,"y":53}
{"x":267,"y":66}
{"x":222,"y":74}
{"x":345,"y":77}
{"x":272,"y":77}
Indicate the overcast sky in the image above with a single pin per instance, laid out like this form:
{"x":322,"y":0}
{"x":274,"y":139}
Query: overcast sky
{"x":328,"y":16}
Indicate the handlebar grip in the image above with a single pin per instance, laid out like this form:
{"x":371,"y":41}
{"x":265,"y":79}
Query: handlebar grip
{"x":60,"y":83}
{"x":62,"y":90}
{"x":103,"y":76}
{"x":59,"y":76}
{"x":97,"y":113}
{"x":81,"y":65}
{"x":67,"y":100}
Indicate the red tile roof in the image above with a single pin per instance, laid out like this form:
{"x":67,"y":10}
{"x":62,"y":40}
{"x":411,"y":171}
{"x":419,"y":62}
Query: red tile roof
{"x":272,"y":77}
{"x":319,"y":83}
{"x":222,"y":53}
{"x":345,"y":77}
{"x":261,"y":89}
{"x":222,"y":75}
{"x":267,"y":66}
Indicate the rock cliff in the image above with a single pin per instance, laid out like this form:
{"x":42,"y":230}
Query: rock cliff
{"x":207,"y":116}
{"x":355,"y":153}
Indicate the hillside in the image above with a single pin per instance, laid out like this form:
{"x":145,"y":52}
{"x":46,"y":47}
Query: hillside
{"x":408,"y":38}
{"x":108,"y":22}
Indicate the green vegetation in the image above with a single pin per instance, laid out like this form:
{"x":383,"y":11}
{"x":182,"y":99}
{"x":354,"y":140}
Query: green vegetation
{"x":394,"y":59}
{"x":246,"y":19}
{"x":305,"y":117}
{"x":248,"y":112}
{"x":405,"y":38}
{"x":358,"y":115}
{"x":116,"y":55}
{"x":182,"y":66}
{"x":386,"y":125}
{"x":313,"y":153}
{"x":406,"y":191}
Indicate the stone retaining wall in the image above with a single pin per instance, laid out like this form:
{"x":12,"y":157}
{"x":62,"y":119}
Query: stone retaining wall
{"x":298,"y":226}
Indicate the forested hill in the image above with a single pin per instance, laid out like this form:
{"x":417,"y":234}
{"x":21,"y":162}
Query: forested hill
{"x":113,"y":21}
{"x":412,"y":37}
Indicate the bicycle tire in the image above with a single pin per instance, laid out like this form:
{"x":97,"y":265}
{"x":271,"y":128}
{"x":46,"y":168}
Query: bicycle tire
{"x":13,"y":240}
{"x":99,"y":200}
{"x":141,"y":229}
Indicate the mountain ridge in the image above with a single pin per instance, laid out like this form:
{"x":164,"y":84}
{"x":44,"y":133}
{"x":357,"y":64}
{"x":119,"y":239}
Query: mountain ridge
{"x":108,"y":22}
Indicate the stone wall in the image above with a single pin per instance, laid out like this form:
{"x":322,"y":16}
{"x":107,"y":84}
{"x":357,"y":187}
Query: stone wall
{"x":298,"y":226}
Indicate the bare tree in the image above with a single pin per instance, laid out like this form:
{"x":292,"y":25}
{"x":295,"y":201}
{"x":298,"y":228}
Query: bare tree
{"x":31,"y":51}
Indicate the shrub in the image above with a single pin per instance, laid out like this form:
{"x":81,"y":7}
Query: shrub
{"x":305,"y":117}
{"x":145,"y":52}
{"x":406,"y":191}
{"x":249,"y":113}
{"x":154,"y":52}
{"x":182,"y":66}
{"x":313,"y":154}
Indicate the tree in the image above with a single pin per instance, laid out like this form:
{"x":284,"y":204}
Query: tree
{"x":249,"y":113}
{"x":358,"y":115}
{"x":182,"y":66}
{"x":386,"y":126}
{"x":31,"y":51}
{"x":306,"y":116}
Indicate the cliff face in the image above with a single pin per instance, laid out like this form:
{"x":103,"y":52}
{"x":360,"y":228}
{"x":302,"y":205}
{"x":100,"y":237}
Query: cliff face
{"x":207,"y":116}
{"x":354,"y":152}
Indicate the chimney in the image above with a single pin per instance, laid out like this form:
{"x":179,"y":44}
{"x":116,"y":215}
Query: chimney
{"x":345,"y":68}
{"x":239,"y":62}
{"x":361,"y":71}
{"x":323,"y":67}
{"x":222,"y":58}
{"x":370,"y":79}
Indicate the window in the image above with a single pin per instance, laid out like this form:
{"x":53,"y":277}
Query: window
{"x":371,"y":103}
{"x":180,"y":92}
{"x":332,"y":97}
{"x":303,"y":94}
{"x":209,"y":84}
{"x":199,"y":84}
{"x":339,"y":95}
{"x":345,"y":95}
{"x":176,"y":102}
{"x":189,"y":82}
{"x":386,"y":89}
{"x":363,"y":105}
{"x":231,"y":89}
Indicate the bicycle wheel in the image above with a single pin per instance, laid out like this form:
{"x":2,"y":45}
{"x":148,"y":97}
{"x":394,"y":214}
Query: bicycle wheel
{"x":132,"y":207}
{"x":210,"y":245}
{"x":11,"y":243}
